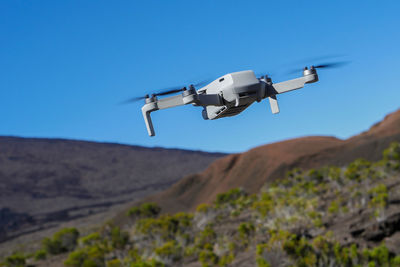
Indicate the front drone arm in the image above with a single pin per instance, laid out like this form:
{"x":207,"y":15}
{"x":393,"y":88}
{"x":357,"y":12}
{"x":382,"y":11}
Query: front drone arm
{"x":309,"y":76}
{"x":272,"y":89}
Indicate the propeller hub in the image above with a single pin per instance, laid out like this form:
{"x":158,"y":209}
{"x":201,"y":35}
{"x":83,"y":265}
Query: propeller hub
{"x":151,"y":99}
{"x":310,"y":71}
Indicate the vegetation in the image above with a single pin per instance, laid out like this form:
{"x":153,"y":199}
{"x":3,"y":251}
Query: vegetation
{"x":145,"y":210}
{"x":62,"y":241}
{"x":288,"y":223}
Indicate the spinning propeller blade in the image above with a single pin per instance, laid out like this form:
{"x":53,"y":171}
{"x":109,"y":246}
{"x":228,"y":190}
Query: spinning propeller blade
{"x":329,"y":65}
{"x":167,"y":91}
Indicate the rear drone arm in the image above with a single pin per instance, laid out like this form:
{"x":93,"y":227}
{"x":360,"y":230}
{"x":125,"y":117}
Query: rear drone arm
{"x":187,"y":97}
{"x":272,"y":89}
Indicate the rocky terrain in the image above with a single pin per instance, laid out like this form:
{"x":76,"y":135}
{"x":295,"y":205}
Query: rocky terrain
{"x":45,"y":182}
{"x":330,"y":216}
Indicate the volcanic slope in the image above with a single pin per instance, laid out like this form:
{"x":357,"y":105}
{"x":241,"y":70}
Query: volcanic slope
{"x":252,"y":169}
{"x":44,"y":182}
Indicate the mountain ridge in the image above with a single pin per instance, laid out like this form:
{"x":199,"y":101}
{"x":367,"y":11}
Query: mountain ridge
{"x":47,"y":181}
{"x":251,"y":169}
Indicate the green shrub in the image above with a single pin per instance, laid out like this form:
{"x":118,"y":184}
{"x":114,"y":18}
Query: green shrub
{"x":86,"y":257}
{"x":76,"y":258}
{"x":357,"y":170}
{"x":230,"y":197}
{"x":392,"y":152}
{"x":169,"y":250}
{"x":260,"y":260}
{"x":144,"y":263}
{"x":16,"y":259}
{"x":334,"y":173}
{"x":203,"y":208}
{"x":119,"y":238}
{"x":40,"y":254}
{"x":91,"y":239}
{"x":62,"y":241}
{"x":205,"y":237}
{"x":145,"y":210}
{"x":315,"y":175}
{"x":166,"y":227}
{"x":225,"y":260}
{"x":265,"y":205}
{"x":246,"y":229}
{"x":208,"y":258}
{"x":379,"y":198}
{"x":114,"y":263}
{"x":334,"y":207}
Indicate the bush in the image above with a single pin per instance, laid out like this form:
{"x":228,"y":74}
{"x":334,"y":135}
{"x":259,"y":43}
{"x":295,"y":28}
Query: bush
{"x":40,"y":254}
{"x":315,"y":175}
{"x":264,"y":205}
{"x":17,"y":259}
{"x":145,"y":210}
{"x":392,"y":152}
{"x":76,"y":258}
{"x":86,"y":257}
{"x":208,"y":258}
{"x":63,"y":241}
{"x":246,"y":229}
{"x":169,"y":252}
{"x":119,"y":238}
{"x":167,"y":226}
{"x":358,"y":169}
{"x":205,"y":237}
{"x":90,"y":239}
{"x":230,"y":197}
{"x":203,"y":208}
{"x":114,"y":263}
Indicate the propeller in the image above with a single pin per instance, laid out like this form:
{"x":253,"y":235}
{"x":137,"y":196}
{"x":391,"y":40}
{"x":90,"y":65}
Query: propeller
{"x":166,"y":91}
{"x":260,"y":74}
{"x":328,"y":65}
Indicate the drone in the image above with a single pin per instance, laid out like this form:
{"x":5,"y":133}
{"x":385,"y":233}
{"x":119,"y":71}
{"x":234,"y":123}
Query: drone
{"x":228,"y":95}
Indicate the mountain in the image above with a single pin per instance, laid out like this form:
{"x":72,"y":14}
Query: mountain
{"x":329,"y":216}
{"x":251,"y":169}
{"x":44,"y":182}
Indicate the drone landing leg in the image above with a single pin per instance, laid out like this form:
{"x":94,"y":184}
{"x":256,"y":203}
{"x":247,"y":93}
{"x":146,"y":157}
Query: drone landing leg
{"x":274,"y":104}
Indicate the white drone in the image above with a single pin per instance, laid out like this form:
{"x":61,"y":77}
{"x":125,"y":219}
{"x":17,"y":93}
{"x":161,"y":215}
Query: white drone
{"x":228,"y":95}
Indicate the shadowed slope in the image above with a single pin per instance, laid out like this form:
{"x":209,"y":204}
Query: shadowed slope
{"x":47,"y":181}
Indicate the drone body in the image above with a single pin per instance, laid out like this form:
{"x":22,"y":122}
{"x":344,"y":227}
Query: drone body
{"x":228,"y":95}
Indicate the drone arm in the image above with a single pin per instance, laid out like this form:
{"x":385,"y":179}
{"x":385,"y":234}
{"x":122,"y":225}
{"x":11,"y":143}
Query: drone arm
{"x":294,"y":84}
{"x":287,"y":86}
{"x":272,"y":89}
{"x":164,"y":103}
{"x":170,"y":102}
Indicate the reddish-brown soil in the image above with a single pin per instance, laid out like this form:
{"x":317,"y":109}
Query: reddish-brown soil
{"x":252,"y":169}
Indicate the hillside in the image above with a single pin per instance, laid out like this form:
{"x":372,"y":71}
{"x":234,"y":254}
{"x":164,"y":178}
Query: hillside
{"x":250,"y":170}
{"x":331,"y":216}
{"x":44,"y":182}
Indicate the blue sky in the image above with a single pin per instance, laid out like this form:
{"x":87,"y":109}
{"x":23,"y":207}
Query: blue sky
{"x":65,"y":66}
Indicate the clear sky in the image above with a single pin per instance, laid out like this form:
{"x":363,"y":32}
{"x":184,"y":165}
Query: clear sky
{"x":65,"y":66}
